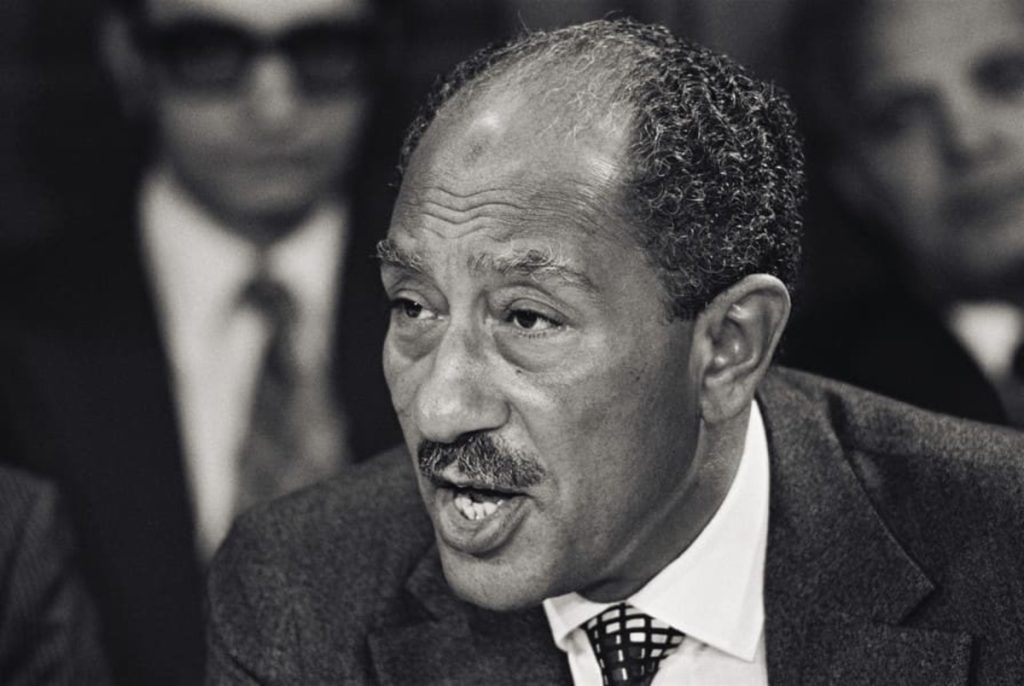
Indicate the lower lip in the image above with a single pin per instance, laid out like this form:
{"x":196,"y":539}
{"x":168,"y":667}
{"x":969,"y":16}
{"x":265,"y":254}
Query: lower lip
{"x":477,"y":536}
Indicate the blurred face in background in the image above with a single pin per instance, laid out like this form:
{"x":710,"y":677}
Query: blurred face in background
{"x":258,"y":105}
{"x":937,"y":144}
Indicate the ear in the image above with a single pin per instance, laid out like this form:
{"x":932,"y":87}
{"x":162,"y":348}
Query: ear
{"x":124,"y":62}
{"x":735,"y":337}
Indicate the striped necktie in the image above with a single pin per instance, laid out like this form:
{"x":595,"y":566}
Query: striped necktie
{"x":275,"y":456}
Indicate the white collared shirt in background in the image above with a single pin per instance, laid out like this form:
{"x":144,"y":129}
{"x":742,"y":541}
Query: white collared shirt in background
{"x":198,"y":269}
{"x":712,"y":592}
{"x":991,"y":332}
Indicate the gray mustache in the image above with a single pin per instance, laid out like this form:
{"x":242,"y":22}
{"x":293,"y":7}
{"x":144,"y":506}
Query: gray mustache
{"x":481,"y":458}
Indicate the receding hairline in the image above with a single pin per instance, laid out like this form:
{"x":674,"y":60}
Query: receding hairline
{"x":585,"y":81}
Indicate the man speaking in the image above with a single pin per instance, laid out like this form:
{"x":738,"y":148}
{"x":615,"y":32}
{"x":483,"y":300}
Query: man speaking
{"x":589,"y":265}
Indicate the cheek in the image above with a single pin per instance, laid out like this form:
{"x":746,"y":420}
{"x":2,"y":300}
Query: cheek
{"x":599,"y":421}
{"x":402,"y":375}
{"x":905,"y":176}
{"x":394,"y":368}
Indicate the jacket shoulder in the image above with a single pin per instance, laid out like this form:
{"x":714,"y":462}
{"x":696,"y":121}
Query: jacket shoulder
{"x":949,"y":492}
{"x":942,"y":484}
{"x":316,"y":568}
{"x":895,"y":431}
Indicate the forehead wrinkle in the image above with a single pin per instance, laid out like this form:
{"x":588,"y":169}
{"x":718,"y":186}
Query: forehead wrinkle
{"x":466,"y":214}
{"x":422,"y":205}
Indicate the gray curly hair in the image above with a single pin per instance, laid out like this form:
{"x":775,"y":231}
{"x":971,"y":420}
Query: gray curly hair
{"x":714,"y":180}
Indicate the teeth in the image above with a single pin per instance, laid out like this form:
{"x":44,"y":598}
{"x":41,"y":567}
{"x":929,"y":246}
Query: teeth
{"x":475,"y":510}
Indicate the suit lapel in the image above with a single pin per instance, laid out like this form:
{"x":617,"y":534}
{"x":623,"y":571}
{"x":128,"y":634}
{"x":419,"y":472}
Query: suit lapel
{"x":454,"y":642}
{"x":837,"y":584}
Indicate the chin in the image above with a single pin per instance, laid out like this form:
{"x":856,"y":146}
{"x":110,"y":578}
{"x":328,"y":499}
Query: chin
{"x":276,"y":214}
{"x":493,"y":584}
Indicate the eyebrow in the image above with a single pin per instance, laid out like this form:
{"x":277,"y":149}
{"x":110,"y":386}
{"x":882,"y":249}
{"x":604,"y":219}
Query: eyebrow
{"x":533,"y":263}
{"x":537,"y":264}
{"x":390,"y":255}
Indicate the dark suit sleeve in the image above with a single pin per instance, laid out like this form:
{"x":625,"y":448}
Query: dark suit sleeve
{"x":48,"y":632}
{"x":221,"y":668}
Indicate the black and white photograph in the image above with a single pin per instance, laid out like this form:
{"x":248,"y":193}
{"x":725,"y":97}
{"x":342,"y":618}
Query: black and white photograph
{"x":502,"y":342}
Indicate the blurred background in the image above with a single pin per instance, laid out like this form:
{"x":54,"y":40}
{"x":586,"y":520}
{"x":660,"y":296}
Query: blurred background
{"x":59,"y":115}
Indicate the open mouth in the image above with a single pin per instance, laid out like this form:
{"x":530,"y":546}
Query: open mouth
{"x":475,"y":504}
{"x":476,"y":518}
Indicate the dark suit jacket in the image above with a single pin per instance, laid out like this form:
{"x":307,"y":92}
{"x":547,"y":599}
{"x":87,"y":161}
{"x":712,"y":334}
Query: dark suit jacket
{"x":85,"y":398}
{"x":893,"y":343}
{"x":47,"y":625}
{"x":894,"y":557}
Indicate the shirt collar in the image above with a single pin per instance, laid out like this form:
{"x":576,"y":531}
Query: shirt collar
{"x":990,"y":331}
{"x":712,"y":592}
{"x":199,"y":265}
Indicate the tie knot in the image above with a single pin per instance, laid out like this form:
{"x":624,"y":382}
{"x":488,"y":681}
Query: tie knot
{"x":269,"y":297}
{"x":629,"y":644}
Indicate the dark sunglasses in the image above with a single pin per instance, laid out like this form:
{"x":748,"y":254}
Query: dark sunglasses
{"x":216,"y":57}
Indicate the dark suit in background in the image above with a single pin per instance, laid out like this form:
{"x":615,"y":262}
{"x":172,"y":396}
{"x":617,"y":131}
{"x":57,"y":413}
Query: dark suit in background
{"x":87,"y":401}
{"x":48,"y":632}
{"x":893,"y":557}
{"x":894,"y":344}
{"x":88,"y":389}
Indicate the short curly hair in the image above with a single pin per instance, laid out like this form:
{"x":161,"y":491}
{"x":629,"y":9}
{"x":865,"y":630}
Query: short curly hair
{"x":714,"y":180}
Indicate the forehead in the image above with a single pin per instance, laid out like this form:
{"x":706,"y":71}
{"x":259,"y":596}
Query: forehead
{"x":510,"y":159}
{"x":261,"y":14}
{"x":936,"y":37}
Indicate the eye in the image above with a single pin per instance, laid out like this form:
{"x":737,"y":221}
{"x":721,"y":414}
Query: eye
{"x":410,"y":309}
{"x":1002,"y":75}
{"x":531,"y":320}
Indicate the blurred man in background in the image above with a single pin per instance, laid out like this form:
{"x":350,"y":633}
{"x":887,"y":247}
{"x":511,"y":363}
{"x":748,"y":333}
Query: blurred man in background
{"x":917,"y":109}
{"x":214,"y":342}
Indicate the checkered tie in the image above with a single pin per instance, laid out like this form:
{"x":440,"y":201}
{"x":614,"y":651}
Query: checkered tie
{"x":630,"y":645}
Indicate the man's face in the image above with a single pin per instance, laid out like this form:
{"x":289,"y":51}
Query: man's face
{"x":526,"y":319}
{"x":941,"y":146}
{"x":265,"y":149}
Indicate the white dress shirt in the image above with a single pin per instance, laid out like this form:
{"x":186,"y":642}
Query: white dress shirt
{"x":712,"y":592}
{"x":198,"y":268}
{"x":991,"y":332}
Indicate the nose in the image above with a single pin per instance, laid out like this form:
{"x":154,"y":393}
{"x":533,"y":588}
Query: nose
{"x":970,"y":129}
{"x":274,"y":97}
{"x":460,"y":393}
